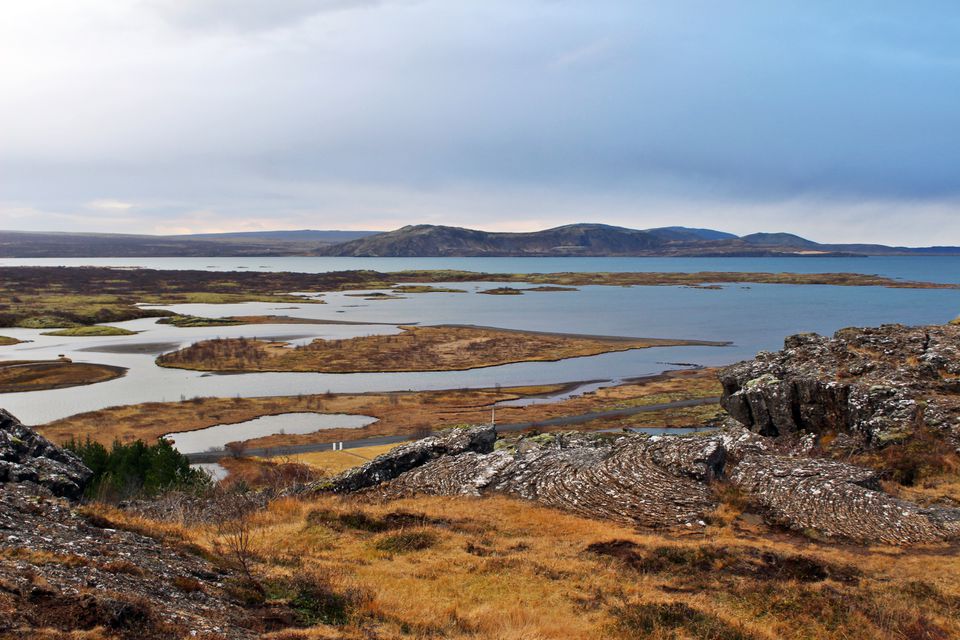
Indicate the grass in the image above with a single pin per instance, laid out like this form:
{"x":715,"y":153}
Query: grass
{"x":440,"y":348}
{"x":500,"y":568}
{"x":7,"y":341}
{"x":94,"y":330}
{"x":38,"y":375}
{"x":401,"y":413}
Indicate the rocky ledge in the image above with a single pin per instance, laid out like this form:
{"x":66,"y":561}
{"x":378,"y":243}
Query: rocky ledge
{"x":870,"y":387}
{"x":26,"y":456}
{"x":867,"y":387}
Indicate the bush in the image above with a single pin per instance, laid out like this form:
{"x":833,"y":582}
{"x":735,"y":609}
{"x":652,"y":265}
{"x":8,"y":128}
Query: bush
{"x":128,"y":470}
{"x":667,"y":619}
{"x":405,"y":541}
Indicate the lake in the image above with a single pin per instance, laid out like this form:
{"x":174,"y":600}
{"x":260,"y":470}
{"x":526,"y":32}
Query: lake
{"x":753,"y":317}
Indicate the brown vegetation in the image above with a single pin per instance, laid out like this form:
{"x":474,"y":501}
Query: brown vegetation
{"x":39,"y":375}
{"x":440,"y":348}
{"x":499,"y":568}
{"x":400,"y":413}
{"x":6,"y":341}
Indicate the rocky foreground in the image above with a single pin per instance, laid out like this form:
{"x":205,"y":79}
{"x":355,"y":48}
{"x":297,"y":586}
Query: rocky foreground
{"x":866,"y":388}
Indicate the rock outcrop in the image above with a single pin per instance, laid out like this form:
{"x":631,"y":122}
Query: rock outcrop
{"x":63,"y":571}
{"x":874,"y":386}
{"x":651,"y":482}
{"x":864,"y":387}
{"x":26,"y":456}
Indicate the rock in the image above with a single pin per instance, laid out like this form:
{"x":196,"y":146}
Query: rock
{"x":410,"y":456}
{"x":64,"y":570}
{"x":653,"y":482}
{"x":877,"y":385}
{"x":26,"y":456}
{"x":838,"y":500}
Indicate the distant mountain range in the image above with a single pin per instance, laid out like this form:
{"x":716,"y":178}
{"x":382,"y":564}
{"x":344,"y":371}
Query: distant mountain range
{"x":437,"y":240}
{"x":601,"y":240}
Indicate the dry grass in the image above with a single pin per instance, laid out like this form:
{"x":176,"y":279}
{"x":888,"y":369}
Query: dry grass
{"x":434,"y":567}
{"x":37,"y":375}
{"x":441,"y":348}
{"x":410,"y":413}
{"x":334,"y":462}
{"x":6,"y":341}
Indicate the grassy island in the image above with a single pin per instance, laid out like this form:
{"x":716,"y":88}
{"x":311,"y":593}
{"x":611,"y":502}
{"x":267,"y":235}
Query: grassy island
{"x":39,"y":375}
{"x":91,"y":331}
{"x":440,"y":348}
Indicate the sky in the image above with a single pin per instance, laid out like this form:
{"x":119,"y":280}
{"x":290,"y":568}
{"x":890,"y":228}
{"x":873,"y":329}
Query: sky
{"x":839,"y":121}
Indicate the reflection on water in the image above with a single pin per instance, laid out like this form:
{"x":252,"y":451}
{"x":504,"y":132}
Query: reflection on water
{"x":287,"y":423}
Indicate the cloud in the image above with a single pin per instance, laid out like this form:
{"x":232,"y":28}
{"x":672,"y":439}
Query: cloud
{"x":249,"y":15}
{"x":110,"y":206}
{"x":375,"y":114}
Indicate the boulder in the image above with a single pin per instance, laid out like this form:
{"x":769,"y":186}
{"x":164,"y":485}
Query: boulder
{"x":26,"y":456}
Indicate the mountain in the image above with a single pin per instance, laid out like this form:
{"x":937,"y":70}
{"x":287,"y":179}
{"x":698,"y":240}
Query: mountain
{"x":437,"y":240}
{"x":432,"y":240}
{"x":692,"y":233}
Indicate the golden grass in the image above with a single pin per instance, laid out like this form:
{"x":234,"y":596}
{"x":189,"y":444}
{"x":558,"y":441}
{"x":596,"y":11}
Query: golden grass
{"x":23,"y":375}
{"x":501,"y":568}
{"x":334,"y":462}
{"x":440,"y":348}
{"x":401,"y":413}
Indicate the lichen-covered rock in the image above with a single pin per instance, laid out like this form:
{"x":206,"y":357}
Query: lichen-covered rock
{"x":839,"y":500}
{"x":26,"y":456}
{"x":654,"y":482}
{"x":410,"y":456}
{"x":876,"y":384}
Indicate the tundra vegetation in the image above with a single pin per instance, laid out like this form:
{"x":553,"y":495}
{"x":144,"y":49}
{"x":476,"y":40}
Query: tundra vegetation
{"x":439,"y":348}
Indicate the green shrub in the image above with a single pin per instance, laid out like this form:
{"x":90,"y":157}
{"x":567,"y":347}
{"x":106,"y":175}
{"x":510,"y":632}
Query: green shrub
{"x":127,"y":470}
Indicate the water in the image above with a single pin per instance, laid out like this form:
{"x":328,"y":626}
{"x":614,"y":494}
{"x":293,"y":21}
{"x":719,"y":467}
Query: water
{"x":753,"y":317}
{"x":930,"y":268}
{"x":289,"y":423}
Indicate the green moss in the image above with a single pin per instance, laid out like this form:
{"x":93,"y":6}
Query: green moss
{"x":96,"y":330}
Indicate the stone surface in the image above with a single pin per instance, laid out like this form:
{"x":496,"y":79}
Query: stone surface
{"x":61,"y":570}
{"x":654,"y":482}
{"x":877,"y":385}
{"x":410,"y":456}
{"x":26,"y":456}
{"x":838,"y":500}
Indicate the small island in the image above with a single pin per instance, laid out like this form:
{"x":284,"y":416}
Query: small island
{"x":40,"y":375}
{"x":439,"y":348}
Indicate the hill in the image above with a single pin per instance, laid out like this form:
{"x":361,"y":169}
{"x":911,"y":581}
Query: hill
{"x":438,"y":240}
{"x":598,"y":240}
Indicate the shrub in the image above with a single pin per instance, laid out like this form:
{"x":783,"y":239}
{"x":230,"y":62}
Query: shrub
{"x":666,"y":619}
{"x":406,"y":541}
{"x":127,"y":470}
